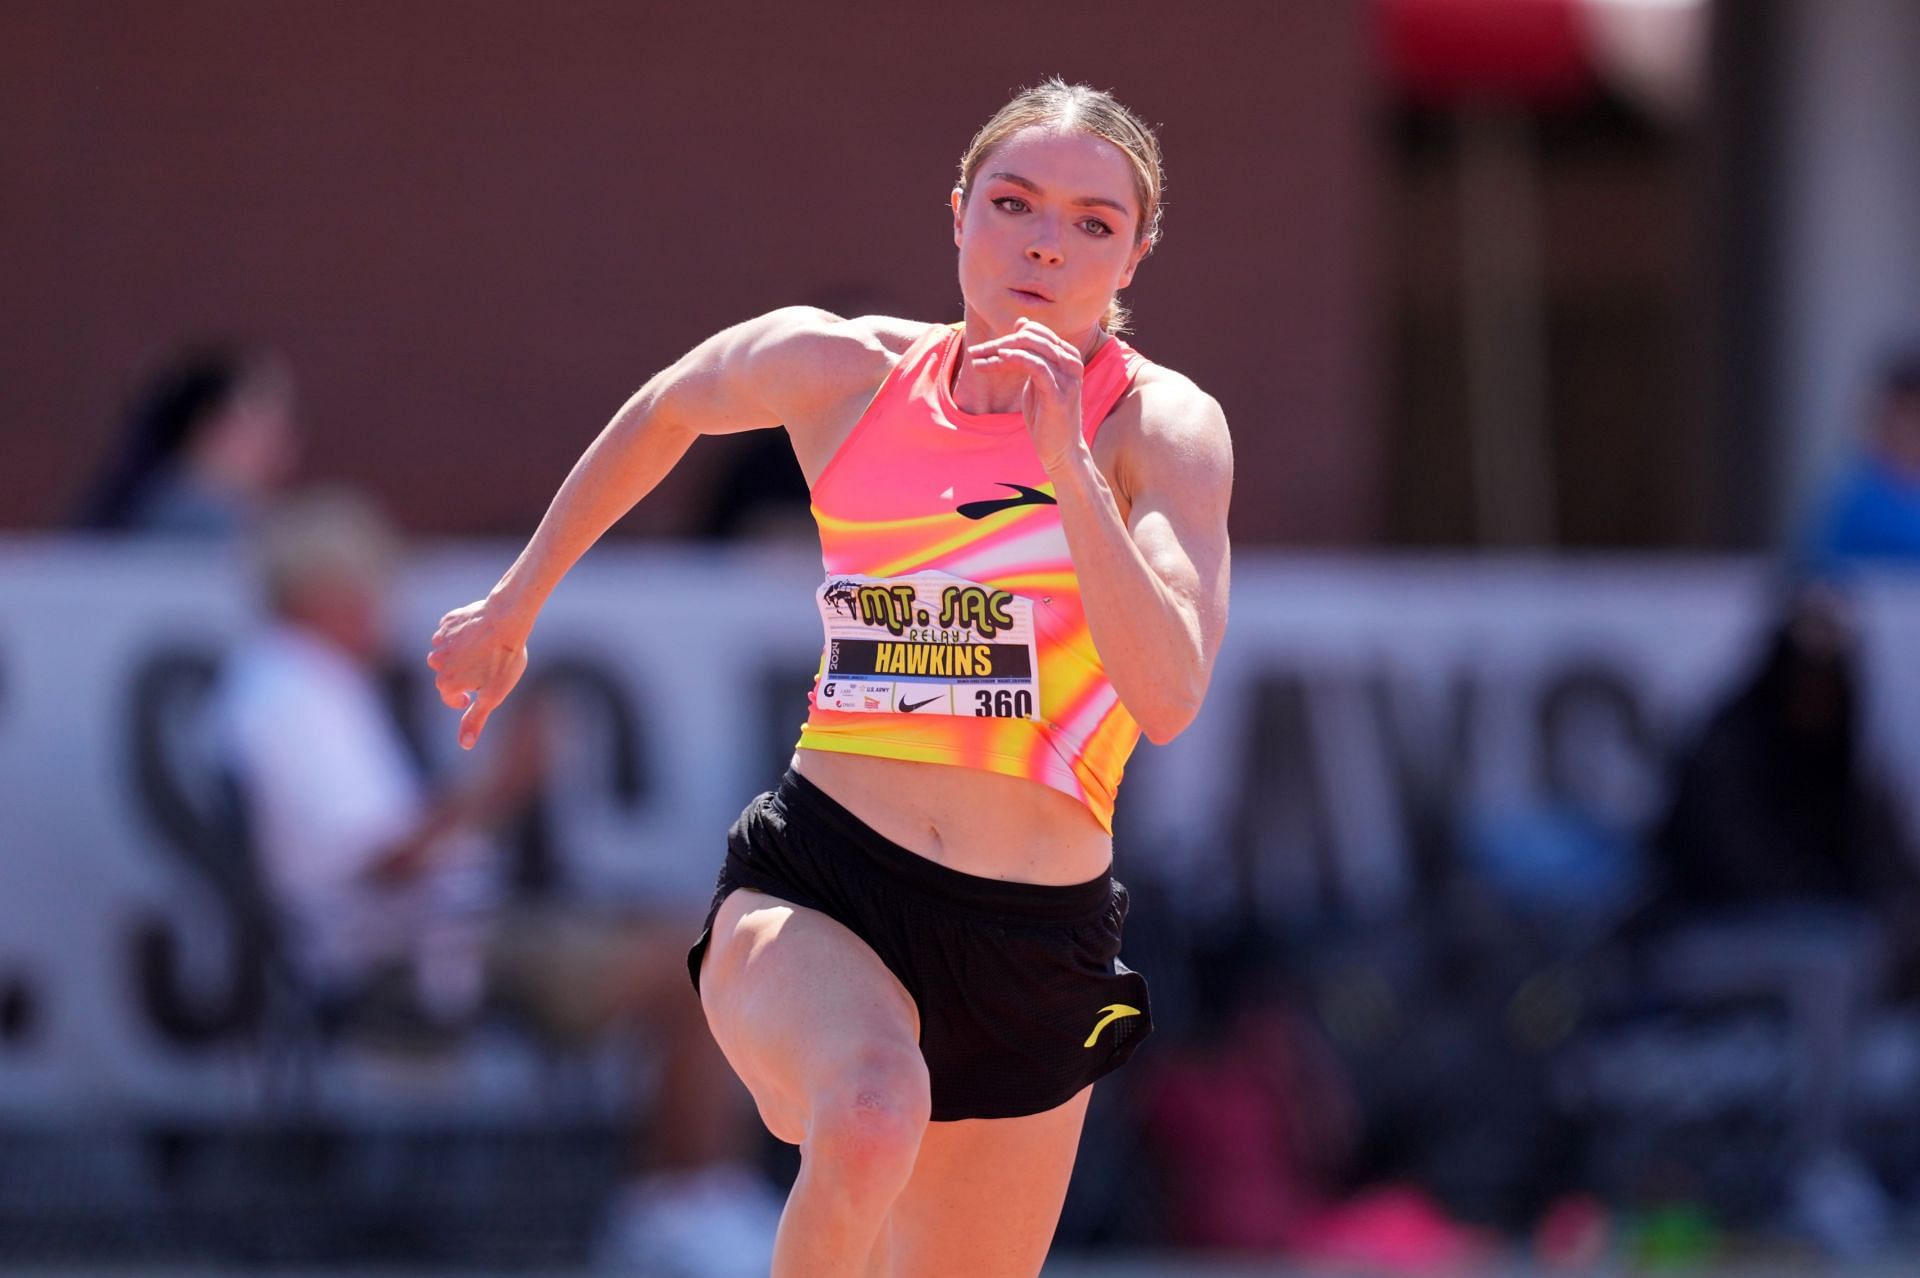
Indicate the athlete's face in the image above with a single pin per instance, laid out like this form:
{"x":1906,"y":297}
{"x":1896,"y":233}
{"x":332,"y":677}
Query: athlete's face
{"x":1050,"y":231}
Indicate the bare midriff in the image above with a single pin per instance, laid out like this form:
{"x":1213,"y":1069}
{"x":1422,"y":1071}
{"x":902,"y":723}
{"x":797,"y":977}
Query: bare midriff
{"x":980,"y":823}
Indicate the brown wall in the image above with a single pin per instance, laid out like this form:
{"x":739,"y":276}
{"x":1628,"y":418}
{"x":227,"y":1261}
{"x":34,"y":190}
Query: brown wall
{"x":476,"y":227}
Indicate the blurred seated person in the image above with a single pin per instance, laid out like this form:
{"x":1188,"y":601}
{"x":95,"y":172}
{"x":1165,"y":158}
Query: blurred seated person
{"x":1776,"y":803}
{"x":389,"y":889}
{"x":1787,"y":875}
{"x":206,"y":443}
{"x":1257,"y":1128}
{"x":1874,"y":516}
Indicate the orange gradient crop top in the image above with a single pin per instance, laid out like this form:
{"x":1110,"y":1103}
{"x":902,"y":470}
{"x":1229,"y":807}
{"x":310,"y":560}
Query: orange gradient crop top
{"x":953,"y":621}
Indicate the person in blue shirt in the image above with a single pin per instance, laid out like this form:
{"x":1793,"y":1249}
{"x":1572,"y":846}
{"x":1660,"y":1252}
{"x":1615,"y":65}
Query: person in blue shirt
{"x":1875,"y":512}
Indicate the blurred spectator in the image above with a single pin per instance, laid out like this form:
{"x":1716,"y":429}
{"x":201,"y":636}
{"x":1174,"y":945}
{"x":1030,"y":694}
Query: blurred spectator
{"x":1258,"y":1129}
{"x":206,"y":442}
{"x":1875,"y":514}
{"x":390,"y":893}
{"x":1787,"y":878}
{"x":1775,"y":803}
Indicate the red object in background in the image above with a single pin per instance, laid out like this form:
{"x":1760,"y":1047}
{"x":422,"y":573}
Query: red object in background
{"x":1574,"y":1236}
{"x":1519,"y":52}
{"x":1235,"y":1127}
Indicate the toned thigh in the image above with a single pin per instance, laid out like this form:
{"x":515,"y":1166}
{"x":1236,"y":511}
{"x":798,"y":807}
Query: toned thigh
{"x":797,"y":1002}
{"x":985,"y":1195}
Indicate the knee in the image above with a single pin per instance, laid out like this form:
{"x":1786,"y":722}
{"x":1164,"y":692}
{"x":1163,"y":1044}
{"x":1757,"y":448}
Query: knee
{"x":868,"y":1122}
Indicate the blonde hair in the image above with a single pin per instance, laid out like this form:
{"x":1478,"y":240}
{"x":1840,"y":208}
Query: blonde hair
{"x":324,"y":538}
{"x":1053,"y":103}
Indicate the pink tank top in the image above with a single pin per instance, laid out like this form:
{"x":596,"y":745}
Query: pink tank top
{"x":955,"y":632}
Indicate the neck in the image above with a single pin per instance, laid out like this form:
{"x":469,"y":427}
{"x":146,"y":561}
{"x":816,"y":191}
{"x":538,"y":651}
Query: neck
{"x":1000,"y":390}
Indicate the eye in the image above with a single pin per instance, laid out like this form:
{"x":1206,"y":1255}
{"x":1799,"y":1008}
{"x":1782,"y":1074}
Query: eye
{"x":1094,"y":226}
{"x":1009,"y":204}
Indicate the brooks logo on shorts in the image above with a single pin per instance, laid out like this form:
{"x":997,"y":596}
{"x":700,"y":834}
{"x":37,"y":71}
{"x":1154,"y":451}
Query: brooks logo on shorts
{"x":1108,"y":1015}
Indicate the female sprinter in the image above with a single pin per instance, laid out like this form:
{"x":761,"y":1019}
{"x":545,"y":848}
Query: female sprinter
{"x":912,"y":959}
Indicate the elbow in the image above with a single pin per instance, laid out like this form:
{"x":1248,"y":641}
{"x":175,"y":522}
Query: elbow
{"x":1170,"y":717}
{"x":1161,"y":733}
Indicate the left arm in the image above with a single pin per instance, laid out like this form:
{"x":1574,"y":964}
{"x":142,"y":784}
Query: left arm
{"x":1154,"y":581}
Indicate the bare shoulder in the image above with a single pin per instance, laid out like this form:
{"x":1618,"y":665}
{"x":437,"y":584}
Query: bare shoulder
{"x":823,"y":335}
{"x":803,"y":338}
{"x":797,"y":361}
{"x":891,"y":332}
{"x":819,"y":356}
{"x":1169,"y":425}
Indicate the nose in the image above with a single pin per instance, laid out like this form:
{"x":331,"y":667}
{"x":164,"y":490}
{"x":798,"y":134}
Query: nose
{"x":1045,"y":247}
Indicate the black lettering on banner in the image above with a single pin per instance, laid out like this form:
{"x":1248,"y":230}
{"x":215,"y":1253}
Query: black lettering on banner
{"x":1281,"y":820}
{"x":202,"y":825}
{"x":589,"y":691}
{"x":19,"y":997}
{"x":590,"y":704}
{"x":19,"y":1011}
{"x":1589,"y":710}
{"x":782,"y":709}
{"x":1430,"y":757}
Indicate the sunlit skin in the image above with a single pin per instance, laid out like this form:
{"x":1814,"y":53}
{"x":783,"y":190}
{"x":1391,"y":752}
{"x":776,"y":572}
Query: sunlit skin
{"x":1049,"y":233}
{"x":824,"y":1035}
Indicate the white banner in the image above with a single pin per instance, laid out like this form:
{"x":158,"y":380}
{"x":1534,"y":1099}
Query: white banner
{"x":1353,"y":700}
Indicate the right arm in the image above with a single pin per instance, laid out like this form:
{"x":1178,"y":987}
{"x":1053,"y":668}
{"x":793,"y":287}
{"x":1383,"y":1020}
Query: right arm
{"x":792,"y":366}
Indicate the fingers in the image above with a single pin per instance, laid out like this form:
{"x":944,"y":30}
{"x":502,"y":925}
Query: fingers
{"x":468,"y":660}
{"x":1051,"y":365}
{"x":453,"y":691}
{"x":1039,"y":368}
{"x":448,"y":623}
{"x":1036,"y":338}
{"x":474,"y":721}
{"x":486,"y":699}
{"x":1034,"y":328}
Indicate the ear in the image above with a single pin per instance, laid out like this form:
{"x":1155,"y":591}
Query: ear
{"x":1140,"y":251}
{"x":959,"y":202}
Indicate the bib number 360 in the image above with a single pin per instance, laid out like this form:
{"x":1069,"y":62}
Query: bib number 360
{"x":1002,"y":703}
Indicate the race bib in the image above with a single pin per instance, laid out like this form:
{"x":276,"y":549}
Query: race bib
{"x":931,"y":643}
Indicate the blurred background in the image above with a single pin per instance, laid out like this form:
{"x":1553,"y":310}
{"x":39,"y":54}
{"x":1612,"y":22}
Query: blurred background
{"x":1537,"y":893}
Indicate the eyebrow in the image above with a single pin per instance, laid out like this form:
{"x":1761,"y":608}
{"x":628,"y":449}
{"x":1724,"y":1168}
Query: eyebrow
{"x":1089,"y":201}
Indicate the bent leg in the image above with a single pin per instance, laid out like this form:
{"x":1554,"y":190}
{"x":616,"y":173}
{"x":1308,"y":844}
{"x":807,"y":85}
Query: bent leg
{"x":827,"y":1041}
{"x":985,"y":1195}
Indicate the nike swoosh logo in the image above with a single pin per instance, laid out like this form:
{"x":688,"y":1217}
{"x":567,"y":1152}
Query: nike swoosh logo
{"x":1109,"y":1014}
{"x":908,"y":707}
{"x":1028,"y":497}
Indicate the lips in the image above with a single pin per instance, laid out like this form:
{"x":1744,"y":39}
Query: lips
{"x":1031,"y":294}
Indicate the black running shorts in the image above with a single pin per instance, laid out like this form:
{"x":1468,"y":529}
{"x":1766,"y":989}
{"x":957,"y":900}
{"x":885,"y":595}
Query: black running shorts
{"x":1023,"y":999}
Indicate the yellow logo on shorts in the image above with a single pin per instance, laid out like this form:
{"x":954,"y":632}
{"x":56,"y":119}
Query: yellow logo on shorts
{"x":1108,"y":1015}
